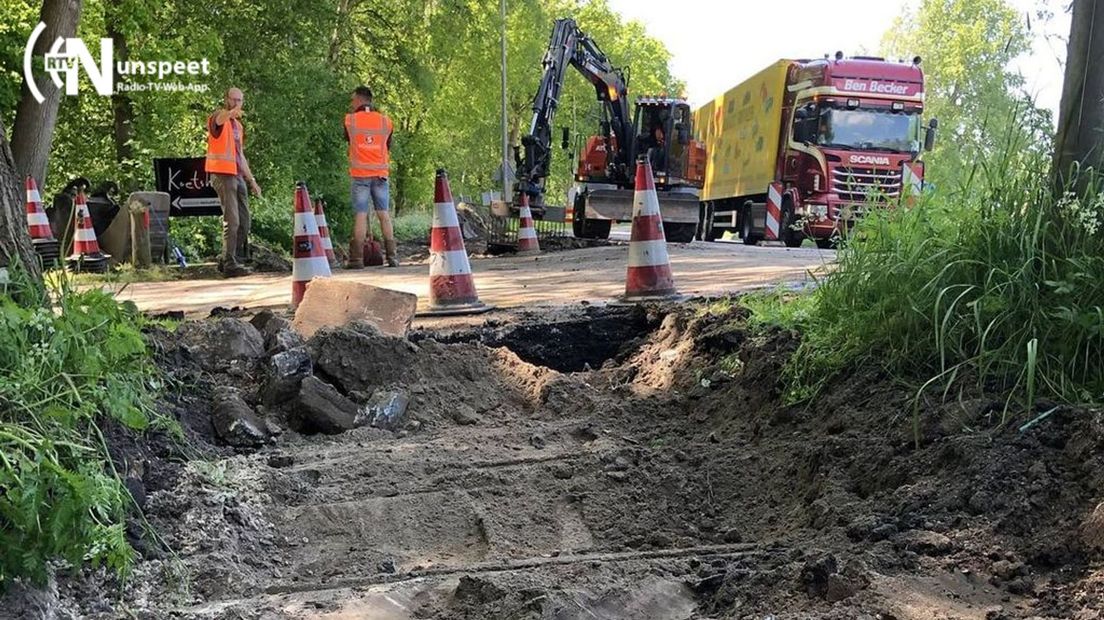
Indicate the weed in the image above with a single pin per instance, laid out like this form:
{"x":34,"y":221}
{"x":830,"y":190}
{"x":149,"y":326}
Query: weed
{"x":68,"y":361}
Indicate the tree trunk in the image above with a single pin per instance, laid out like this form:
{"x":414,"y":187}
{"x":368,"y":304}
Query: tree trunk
{"x":33,"y":131}
{"x":122,"y":109}
{"x":1080,"y":137}
{"x":15,"y":241}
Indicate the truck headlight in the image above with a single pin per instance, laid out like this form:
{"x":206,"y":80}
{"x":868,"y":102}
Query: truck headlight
{"x":820,"y":212}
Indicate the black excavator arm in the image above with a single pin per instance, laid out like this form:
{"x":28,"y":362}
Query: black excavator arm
{"x":570,"y":46}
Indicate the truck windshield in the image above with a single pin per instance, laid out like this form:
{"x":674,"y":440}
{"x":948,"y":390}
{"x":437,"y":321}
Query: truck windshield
{"x":869,"y":129}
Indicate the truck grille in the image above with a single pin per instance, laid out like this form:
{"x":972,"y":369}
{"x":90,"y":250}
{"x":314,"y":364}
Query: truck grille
{"x":866,"y":184}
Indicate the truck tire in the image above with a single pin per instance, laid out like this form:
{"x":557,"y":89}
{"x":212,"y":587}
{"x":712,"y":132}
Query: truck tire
{"x":679,"y":232}
{"x":591,"y":229}
{"x":792,"y":238}
{"x":747,"y":233}
{"x":828,"y":244}
{"x":708,"y":232}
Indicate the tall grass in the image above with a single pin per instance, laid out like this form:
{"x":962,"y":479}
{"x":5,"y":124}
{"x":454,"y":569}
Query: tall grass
{"x":997,"y":285}
{"x":68,"y":362}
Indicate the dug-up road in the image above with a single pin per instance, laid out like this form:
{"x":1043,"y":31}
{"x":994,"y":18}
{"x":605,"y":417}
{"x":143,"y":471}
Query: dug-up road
{"x":591,"y":274}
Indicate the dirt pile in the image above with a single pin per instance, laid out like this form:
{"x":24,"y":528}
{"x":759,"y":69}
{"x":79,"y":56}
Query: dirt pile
{"x":604,"y":462}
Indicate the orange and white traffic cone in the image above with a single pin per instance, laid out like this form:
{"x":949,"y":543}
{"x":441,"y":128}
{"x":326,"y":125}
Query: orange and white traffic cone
{"x":37,"y":223}
{"x":451,"y":286}
{"x":87,"y":255}
{"x":308,"y":256}
{"x":324,"y":229}
{"x":649,"y":274}
{"x":527,"y":232}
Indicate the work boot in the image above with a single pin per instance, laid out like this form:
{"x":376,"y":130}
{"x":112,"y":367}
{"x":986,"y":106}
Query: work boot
{"x":356,"y":256}
{"x":389,"y":249}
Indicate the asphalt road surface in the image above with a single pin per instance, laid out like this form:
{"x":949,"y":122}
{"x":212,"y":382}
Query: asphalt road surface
{"x":594,"y":275}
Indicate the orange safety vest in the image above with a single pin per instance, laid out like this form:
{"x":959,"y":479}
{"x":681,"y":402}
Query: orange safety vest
{"x":368,"y":132}
{"x":222,"y":153}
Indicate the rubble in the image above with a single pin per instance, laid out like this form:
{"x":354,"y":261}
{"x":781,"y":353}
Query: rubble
{"x":283,"y":375}
{"x":219,"y":342}
{"x":385,"y":409}
{"x":324,"y":409}
{"x":235,"y":422}
{"x":335,"y":303}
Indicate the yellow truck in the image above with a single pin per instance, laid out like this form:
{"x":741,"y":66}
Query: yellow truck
{"x":801,"y":148}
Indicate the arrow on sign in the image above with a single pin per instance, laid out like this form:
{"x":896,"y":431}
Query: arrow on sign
{"x":186,"y":203}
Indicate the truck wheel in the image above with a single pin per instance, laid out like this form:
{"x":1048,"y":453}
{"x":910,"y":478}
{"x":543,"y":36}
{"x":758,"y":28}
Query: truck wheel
{"x":828,"y":244}
{"x":591,"y":229}
{"x":792,"y":238}
{"x":746,"y":234}
{"x":708,"y":232}
{"x":679,"y":232}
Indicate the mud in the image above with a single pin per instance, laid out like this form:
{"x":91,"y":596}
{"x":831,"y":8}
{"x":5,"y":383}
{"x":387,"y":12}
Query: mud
{"x":610,"y":463}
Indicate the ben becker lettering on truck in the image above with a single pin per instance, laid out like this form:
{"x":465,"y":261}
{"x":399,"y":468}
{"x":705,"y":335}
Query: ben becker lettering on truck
{"x":874,"y":86}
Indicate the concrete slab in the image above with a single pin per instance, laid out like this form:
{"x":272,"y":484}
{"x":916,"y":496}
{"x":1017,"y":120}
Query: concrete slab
{"x":332,"y":303}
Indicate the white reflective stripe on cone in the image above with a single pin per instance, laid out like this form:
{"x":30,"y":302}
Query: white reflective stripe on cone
{"x":85,"y":234}
{"x":306,"y":268}
{"x":34,"y":196}
{"x":38,"y":218}
{"x":327,"y":244}
{"x":451,"y":263}
{"x":444,"y":215}
{"x":645,"y":202}
{"x":305,"y":225}
{"x":527,"y":233}
{"x":648,"y":253}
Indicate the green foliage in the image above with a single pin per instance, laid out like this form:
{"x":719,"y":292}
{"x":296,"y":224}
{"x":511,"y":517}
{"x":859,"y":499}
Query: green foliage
{"x":999,"y":286}
{"x":64,"y":367}
{"x":433,"y":65}
{"x":966,"y":46}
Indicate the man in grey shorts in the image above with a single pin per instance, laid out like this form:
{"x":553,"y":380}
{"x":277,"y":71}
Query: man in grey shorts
{"x":369,"y":135}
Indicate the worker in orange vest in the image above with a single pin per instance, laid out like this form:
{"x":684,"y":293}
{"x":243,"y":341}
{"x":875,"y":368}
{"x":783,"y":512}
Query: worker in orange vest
{"x":369,"y":135}
{"x":230,"y":175}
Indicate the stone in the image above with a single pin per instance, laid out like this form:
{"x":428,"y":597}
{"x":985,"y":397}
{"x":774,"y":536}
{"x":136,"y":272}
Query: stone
{"x":925,"y":542}
{"x":279,"y":461}
{"x":732,"y":536}
{"x":537,"y":441}
{"x":235,"y":422}
{"x":261,"y":319}
{"x":464,"y":415}
{"x":815,"y":573}
{"x":1092,"y":528}
{"x":385,"y":409}
{"x":840,"y":587}
{"x":324,"y":409}
{"x":331,"y":302}
{"x":284,"y":373}
{"x":283,"y":340}
{"x":218,"y":342}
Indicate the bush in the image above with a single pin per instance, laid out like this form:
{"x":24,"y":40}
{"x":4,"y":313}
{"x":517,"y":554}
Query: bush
{"x":65,"y":367}
{"x":998,"y":286}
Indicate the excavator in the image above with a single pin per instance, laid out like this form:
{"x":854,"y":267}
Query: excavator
{"x":658,"y":128}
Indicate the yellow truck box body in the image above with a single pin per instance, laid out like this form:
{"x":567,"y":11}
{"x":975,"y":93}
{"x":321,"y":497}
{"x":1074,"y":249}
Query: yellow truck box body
{"x":741,"y":130}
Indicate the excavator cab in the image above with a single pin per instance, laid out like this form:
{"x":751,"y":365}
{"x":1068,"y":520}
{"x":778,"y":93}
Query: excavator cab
{"x":663,"y":134}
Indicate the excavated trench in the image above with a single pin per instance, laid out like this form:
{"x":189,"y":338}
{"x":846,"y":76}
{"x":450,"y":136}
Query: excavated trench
{"x":624,"y":463}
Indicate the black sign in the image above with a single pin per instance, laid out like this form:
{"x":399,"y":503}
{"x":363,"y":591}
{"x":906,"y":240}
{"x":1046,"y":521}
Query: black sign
{"x":188,"y":186}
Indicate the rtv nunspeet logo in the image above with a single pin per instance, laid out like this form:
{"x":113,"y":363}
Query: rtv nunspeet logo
{"x":69,"y":55}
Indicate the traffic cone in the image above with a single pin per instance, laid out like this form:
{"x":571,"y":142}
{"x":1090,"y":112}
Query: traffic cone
{"x":451,"y":286}
{"x":38,"y":225}
{"x":527,"y":233}
{"x":87,"y":255}
{"x":649,"y":274}
{"x":308,"y":256}
{"x":324,"y":229}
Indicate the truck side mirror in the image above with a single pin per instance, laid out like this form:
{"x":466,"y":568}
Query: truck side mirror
{"x":929,"y":134}
{"x":565,"y":142}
